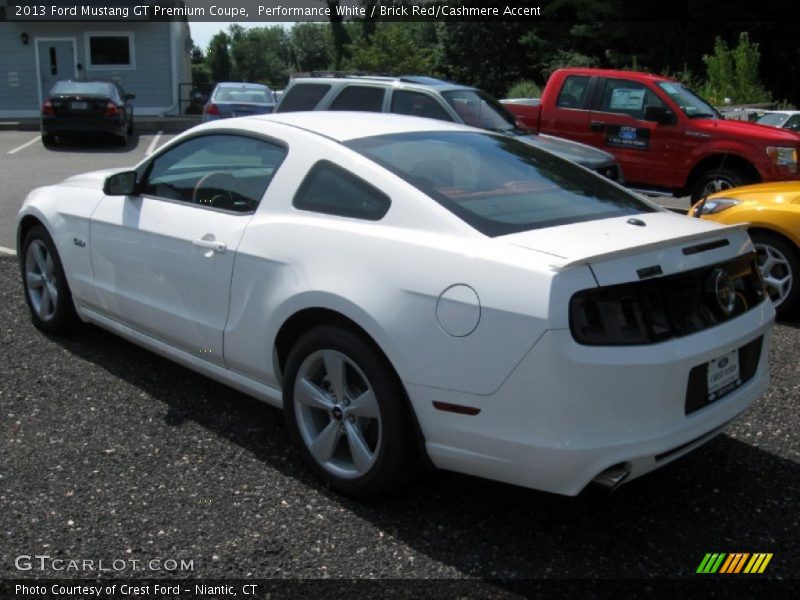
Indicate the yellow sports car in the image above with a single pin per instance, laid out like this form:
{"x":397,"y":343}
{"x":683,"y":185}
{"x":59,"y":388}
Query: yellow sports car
{"x":773,"y":212}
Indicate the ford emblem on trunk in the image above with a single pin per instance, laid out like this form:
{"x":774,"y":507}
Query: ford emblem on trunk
{"x":720,"y":290}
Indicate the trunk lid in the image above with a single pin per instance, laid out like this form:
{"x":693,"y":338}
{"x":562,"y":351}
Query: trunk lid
{"x":619,"y":250}
{"x":69,"y":105}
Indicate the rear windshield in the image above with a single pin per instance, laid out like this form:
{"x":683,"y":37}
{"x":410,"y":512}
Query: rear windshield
{"x":86,"y":88}
{"x":254,"y":95}
{"x":497,"y":184}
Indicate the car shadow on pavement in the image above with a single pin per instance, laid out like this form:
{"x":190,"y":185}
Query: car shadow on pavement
{"x":728,"y":496}
{"x":93,"y":144}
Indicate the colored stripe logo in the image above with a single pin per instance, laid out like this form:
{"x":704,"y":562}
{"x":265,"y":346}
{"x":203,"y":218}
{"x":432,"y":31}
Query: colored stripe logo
{"x":735,"y":562}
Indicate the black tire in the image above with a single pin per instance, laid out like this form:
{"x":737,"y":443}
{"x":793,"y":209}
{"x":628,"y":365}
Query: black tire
{"x":395,"y":454}
{"x":48,"y":139}
{"x":786,"y":268}
{"x":63,"y":317}
{"x":122,"y":139}
{"x":130,"y":125}
{"x":726,"y":177}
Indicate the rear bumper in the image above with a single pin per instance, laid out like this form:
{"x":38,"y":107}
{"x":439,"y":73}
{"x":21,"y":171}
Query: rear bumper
{"x":51,"y":125}
{"x":569,"y":412}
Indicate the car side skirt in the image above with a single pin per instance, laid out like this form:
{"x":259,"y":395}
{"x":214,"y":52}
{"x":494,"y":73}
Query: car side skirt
{"x":266,"y":393}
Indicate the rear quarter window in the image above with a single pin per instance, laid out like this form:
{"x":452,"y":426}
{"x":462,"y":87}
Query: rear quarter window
{"x":303,"y":96}
{"x":332,"y":190}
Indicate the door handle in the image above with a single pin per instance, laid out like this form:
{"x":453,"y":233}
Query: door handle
{"x":597,"y":125}
{"x":212,"y":245}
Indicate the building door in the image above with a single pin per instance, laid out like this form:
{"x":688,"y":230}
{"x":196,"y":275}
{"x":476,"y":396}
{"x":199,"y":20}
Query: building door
{"x":56,"y":61}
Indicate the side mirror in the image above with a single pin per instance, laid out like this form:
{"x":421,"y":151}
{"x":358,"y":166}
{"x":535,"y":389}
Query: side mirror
{"x":659,"y":114}
{"x":120,"y":184}
{"x":130,"y":96}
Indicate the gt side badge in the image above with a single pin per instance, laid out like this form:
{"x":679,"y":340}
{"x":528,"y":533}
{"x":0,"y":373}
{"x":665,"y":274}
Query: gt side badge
{"x":79,"y":242}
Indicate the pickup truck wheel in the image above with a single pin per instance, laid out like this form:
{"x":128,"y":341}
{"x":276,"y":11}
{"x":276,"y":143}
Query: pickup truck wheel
{"x":780,"y":269}
{"x":346,"y":413}
{"x":716,"y":180}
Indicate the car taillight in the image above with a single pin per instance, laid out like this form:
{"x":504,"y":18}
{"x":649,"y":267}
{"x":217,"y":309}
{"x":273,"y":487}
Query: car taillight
{"x":212,"y":109}
{"x":657,"y":309}
{"x":111,"y":109}
{"x":47,"y":108}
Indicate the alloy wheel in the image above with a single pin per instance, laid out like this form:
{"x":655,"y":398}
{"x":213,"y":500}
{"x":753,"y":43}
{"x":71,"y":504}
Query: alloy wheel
{"x":337,"y":414}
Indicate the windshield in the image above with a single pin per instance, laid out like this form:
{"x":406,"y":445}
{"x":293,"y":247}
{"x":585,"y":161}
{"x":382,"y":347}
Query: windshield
{"x":774,"y":119}
{"x":692,"y":105}
{"x":497,"y":184}
{"x":479,"y":109}
{"x":85,"y":88}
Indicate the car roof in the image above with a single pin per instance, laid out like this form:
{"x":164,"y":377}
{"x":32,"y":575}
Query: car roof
{"x":403,"y":81}
{"x":241,"y":84}
{"x":344,"y":126}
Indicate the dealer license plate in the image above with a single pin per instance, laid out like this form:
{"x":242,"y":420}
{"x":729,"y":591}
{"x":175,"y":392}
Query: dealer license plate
{"x":723,"y":375}
{"x":78,"y":105}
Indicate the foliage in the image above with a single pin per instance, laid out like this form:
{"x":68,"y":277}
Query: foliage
{"x":567,"y":58}
{"x":734,"y":73}
{"x":218,"y":57}
{"x":524,"y":88}
{"x":492,"y":55}
{"x":196,"y":54}
{"x":201,"y":73}
{"x":311,"y":46}
{"x":261,"y":55}
{"x":487,"y":55}
{"x":393,"y":49}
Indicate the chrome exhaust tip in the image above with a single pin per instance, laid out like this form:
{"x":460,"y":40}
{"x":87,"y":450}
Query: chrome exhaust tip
{"x":613,"y":476}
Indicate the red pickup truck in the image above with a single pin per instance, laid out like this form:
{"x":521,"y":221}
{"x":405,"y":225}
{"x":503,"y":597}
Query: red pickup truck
{"x":665,"y":137}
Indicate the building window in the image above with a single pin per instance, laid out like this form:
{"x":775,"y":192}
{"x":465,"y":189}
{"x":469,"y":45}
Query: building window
{"x":110,"y":51}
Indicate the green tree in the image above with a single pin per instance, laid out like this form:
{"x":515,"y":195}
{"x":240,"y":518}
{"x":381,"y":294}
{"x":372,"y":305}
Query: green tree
{"x":393,"y":49}
{"x":218,"y":57}
{"x":261,"y":55}
{"x":311,"y":46}
{"x":524,"y":88}
{"x":734,"y":73}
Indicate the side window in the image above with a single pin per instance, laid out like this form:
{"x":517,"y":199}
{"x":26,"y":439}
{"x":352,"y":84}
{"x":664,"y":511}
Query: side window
{"x":418,"y":105}
{"x":627,"y":98}
{"x":303,"y":96}
{"x":228,"y":172}
{"x":359,"y":97}
{"x":793,"y":123}
{"x":332,"y":190}
{"x":573,"y":92}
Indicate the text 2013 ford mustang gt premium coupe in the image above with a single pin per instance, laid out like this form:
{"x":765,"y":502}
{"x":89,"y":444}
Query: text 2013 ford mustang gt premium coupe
{"x":405,"y":286}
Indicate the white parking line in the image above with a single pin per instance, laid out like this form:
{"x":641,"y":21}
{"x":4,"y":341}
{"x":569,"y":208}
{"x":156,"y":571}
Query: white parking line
{"x":7,"y":251}
{"x":151,"y":148}
{"x":25,"y":145}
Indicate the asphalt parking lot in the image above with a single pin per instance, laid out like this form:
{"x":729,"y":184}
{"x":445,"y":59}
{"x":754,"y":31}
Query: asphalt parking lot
{"x":110,"y":452}
{"x":26,"y":164}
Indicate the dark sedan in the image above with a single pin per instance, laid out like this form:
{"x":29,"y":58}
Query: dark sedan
{"x":238,"y":100}
{"x":80,"y":107}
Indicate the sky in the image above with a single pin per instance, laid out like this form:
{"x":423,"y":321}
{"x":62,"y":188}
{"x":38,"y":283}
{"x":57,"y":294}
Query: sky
{"x":202,"y":32}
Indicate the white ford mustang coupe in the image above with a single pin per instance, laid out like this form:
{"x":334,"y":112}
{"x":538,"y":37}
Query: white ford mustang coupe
{"x":408,"y":289}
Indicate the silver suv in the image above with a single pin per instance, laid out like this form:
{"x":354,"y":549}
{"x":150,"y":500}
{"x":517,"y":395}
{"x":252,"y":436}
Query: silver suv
{"x":435,"y":99}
